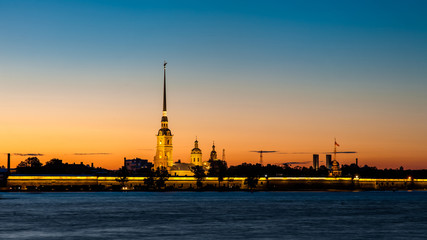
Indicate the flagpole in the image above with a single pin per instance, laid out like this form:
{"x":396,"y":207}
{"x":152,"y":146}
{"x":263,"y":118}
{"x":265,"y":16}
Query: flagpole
{"x":335,"y":149}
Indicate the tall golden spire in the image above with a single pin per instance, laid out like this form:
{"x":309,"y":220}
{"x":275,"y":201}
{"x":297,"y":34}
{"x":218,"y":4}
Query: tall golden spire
{"x":164,"y":89}
{"x":164,"y":148}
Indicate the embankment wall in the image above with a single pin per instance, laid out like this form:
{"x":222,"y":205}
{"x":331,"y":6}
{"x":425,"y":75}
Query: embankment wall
{"x":89,"y":183}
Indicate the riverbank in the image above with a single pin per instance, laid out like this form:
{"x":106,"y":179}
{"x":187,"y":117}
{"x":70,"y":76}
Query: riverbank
{"x":97,"y":183}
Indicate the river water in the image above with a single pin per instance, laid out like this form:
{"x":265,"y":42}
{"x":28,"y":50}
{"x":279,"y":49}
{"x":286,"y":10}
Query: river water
{"x":214,"y":215}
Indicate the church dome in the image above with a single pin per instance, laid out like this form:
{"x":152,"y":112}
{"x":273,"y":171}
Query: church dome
{"x":335,"y":163}
{"x":196,"y":149}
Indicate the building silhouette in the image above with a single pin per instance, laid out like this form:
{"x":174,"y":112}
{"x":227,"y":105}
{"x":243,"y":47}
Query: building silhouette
{"x":185,"y":169}
{"x":214,"y":155}
{"x":328,"y":161}
{"x":336,"y":170}
{"x":137,"y":165}
{"x":316,"y":161}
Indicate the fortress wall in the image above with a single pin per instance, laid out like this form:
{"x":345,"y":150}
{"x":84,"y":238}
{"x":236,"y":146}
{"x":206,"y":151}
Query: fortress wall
{"x":306,"y":183}
{"x":51,"y":180}
{"x":183,"y":183}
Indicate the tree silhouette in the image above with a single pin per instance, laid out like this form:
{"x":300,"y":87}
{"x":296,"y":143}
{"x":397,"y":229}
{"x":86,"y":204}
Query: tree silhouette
{"x":199,"y":174}
{"x":54,"y":162}
{"x":218,"y":169}
{"x":161,"y":176}
{"x":149,"y":181}
{"x":54,"y":166}
{"x":251,"y":181}
{"x":31,"y":162}
{"x":122,"y":176}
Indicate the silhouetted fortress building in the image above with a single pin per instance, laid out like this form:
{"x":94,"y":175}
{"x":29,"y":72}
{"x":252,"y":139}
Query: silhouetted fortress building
{"x":87,"y":183}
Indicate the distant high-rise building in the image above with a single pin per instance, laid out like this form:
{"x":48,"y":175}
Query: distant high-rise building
{"x":8,"y":163}
{"x":316,"y":161}
{"x":357,"y":162}
{"x":328,"y":161}
{"x":163,"y":156}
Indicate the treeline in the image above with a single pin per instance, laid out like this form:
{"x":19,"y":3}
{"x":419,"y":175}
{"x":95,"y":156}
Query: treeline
{"x":220,"y":169}
{"x":373,"y":172}
{"x":32,"y":165}
{"x":347,"y":171}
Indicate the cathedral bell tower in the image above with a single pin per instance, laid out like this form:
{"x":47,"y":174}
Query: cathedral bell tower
{"x":213,"y":153}
{"x":163,"y":156}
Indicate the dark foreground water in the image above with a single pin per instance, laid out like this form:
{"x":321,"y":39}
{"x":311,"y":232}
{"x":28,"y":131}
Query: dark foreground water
{"x":213,"y":215}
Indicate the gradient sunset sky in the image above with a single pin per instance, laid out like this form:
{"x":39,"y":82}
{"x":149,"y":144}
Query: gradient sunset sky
{"x":82,"y":80}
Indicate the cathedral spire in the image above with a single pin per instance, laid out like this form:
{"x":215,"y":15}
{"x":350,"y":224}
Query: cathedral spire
{"x":196,"y":143}
{"x":164,"y":151}
{"x":164,"y":89}
{"x":165,"y":113}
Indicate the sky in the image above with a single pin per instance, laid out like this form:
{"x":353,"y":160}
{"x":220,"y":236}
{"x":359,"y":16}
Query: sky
{"x":82,"y":80}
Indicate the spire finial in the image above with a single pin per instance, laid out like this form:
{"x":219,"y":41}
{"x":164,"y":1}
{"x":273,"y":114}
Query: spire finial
{"x":164,"y":87}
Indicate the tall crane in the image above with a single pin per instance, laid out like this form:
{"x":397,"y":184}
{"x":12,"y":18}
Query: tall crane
{"x":260,"y":154}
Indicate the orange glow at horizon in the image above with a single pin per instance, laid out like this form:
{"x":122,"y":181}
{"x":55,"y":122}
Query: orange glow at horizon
{"x":106,"y":143}
{"x":122,"y":121}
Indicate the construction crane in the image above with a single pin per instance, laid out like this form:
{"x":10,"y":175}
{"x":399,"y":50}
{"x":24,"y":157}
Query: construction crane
{"x":260,"y":154}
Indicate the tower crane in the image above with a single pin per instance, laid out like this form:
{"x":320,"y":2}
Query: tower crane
{"x":260,"y":154}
